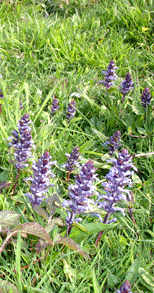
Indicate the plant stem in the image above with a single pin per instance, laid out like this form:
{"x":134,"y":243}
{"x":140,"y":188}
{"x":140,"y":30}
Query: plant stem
{"x":101,"y":233}
{"x":16,"y":182}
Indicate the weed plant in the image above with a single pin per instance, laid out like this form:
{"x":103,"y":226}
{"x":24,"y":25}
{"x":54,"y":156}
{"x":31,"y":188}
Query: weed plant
{"x":52,"y":54}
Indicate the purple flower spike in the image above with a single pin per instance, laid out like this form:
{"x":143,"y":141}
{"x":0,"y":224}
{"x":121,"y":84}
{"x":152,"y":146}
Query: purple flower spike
{"x":80,"y":193}
{"x":54,"y":107}
{"x":110,"y":75}
{"x":126,"y":85}
{"x":114,"y":142}
{"x":40,"y":179}
{"x":146,"y":97}
{"x":71,"y":110}
{"x":72,"y":159}
{"x":22,"y":142}
{"x":119,"y":178}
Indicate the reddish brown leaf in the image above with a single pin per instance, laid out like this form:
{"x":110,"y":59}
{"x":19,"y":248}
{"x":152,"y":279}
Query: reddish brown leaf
{"x":72,"y":245}
{"x":8,"y":218}
{"x":34,"y":229}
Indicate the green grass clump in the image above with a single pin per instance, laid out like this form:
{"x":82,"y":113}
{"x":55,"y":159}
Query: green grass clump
{"x":56,"y":48}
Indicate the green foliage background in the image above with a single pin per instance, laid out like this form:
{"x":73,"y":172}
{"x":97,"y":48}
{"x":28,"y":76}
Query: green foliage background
{"x":50,"y":48}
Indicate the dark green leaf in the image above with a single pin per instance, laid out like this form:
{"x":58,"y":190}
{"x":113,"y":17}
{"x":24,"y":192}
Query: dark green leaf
{"x":137,"y":108}
{"x":97,"y":227}
{"x":141,"y":130}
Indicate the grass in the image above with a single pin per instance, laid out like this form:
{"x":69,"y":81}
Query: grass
{"x":57,"y":48}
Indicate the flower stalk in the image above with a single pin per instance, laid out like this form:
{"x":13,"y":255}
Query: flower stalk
{"x":72,"y":160}
{"x":22,"y":142}
{"x":71,"y":110}
{"x":116,"y":187}
{"x":55,"y":106}
{"x":80,"y":194}
{"x":114,"y":142}
{"x":146,"y":98}
{"x":126,"y":86}
{"x":109,"y":75}
{"x":40,"y":179}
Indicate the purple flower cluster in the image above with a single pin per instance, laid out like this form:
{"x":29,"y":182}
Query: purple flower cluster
{"x":22,"y":142}
{"x":119,"y":177}
{"x":71,"y":110}
{"x":125,"y":288}
{"x":80,"y":193}
{"x":110,"y":75}
{"x":126,"y":85}
{"x":114,"y":142}
{"x":72,"y":159}
{"x":55,"y":106}
{"x":146,"y":97}
{"x":40,"y":179}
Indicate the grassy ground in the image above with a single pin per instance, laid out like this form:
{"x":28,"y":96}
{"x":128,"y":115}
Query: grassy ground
{"x":57,"y":48}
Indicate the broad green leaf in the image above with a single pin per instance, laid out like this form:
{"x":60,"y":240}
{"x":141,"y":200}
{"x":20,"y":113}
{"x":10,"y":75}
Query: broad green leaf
{"x":136,"y":180}
{"x":133,"y":271}
{"x":78,"y":235}
{"x":71,"y":244}
{"x":97,"y":227}
{"x":7,"y":287}
{"x":8,"y":218}
{"x":147,"y":278}
{"x":137,"y":108}
{"x":78,"y":225}
{"x":141,"y":130}
{"x":97,"y":288}
{"x":34,"y":229}
{"x":123,"y":241}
